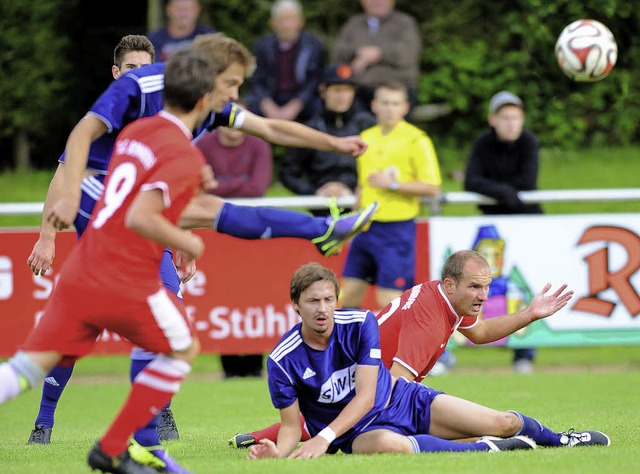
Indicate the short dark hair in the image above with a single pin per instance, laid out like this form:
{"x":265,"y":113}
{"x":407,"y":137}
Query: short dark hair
{"x":188,"y":76}
{"x":131,"y":43}
{"x":307,"y":275}
{"x":454,"y":265}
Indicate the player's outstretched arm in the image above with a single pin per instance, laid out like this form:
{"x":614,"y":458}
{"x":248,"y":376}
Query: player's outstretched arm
{"x":64,"y":210}
{"x":288,"y":133}
{"x":44,"y":250}
{"x":542,"y":306}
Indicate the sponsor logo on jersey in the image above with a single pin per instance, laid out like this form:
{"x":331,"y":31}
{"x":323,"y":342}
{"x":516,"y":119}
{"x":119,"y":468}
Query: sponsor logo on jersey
{"x":340,"y":384}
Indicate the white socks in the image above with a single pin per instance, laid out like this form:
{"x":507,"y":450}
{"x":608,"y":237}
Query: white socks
{"x":9,"y":383}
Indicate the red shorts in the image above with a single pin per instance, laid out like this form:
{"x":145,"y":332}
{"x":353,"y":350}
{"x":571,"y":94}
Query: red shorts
{"x":78,"y":312}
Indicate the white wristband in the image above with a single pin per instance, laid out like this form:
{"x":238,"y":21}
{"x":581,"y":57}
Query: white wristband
{"x":328,"y":435}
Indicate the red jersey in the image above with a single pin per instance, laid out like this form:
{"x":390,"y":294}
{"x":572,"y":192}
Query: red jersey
{"x":150,"y":153}
{"x":415,"y":327}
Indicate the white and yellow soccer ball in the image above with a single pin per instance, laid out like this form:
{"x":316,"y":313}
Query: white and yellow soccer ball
{"x":586,"y":51}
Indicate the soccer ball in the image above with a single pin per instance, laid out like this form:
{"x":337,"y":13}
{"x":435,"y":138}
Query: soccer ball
{"x":586,"y":51}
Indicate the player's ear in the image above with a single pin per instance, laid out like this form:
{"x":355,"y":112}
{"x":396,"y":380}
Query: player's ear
{"x":448,"y":285}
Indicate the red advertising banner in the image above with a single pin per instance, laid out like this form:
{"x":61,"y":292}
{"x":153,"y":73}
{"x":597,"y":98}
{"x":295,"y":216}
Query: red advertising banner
{"x":239,"y":297}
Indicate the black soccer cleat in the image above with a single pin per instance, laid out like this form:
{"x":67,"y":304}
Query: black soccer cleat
{"x":584,"y":438}
{"x":167,"y":429}
{"x":121,"y":464}
{"x":40,"y":435}
{"x":508,"y":444}
{"x":242,"y":440}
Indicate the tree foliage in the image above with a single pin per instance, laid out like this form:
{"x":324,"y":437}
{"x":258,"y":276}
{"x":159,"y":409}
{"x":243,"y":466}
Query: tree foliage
{"x":471,"y":50}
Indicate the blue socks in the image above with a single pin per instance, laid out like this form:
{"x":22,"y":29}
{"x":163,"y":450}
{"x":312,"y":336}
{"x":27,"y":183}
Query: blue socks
{"x":532,"y":428}
{"x":252,"y":223}
{"x":54,"y":385}
{"x":424,"y":443}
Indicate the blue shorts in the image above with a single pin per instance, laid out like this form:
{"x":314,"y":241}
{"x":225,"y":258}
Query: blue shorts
{"x":92,"y":188}
{"x":408,"y":414}
{"x":384,"y":255}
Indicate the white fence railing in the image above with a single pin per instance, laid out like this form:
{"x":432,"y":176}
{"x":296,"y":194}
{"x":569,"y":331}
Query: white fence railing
{"x":435,"y":204}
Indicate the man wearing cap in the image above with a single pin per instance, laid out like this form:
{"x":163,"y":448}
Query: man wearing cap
{"x":502,"y":162}
{"x":307,"y":171}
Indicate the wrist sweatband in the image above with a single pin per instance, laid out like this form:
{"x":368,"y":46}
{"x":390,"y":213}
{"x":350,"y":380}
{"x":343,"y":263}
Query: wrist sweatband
{"x":328,"y":435}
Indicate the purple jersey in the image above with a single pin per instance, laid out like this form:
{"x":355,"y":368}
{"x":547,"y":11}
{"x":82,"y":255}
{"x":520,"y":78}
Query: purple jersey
{"x":137,"y":94}
{"x":323,"y":382}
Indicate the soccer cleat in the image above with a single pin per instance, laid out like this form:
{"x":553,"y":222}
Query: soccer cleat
{"x":584,"y":438}
{"x":40,"y":435}
{"x":242,"y":440}
{"x":167,"y":429}
{"x":122,"y":464}
{"x":342,"y":227}
{"x":508,"y":444}
{"x":155,"y":457}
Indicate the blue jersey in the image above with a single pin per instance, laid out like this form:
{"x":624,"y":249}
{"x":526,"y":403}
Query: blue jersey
{"x":137,"y":94}
{"x":323,"y":382}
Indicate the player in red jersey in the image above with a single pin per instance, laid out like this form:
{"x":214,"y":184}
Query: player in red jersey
{"x":415,"y":327}
{"x":110,"y":280}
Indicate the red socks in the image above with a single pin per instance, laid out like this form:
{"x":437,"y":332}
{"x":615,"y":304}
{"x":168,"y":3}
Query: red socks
{"x":271,"y":432}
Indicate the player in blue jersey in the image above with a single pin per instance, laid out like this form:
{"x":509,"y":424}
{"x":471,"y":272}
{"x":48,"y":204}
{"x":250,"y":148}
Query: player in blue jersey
{"x":131,"y":52}
{"x":328,"y":368}
{"x":137,"y":94}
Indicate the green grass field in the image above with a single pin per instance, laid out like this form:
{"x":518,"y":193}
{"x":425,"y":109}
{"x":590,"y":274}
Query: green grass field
{"x":577,"y":388}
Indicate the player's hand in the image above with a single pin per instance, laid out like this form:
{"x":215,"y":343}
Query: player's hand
{"x":186,"y":265}
{"x":208,"y":181}
{"x":314,"y":448}
{"x":63,"y":212}
{"x":542,"y":306}
{"x":41,"y":257}
{"x":264,"y":449}
{"x":195,"y":247}
{"x":379,"y":179}
{"x":353,"y":145}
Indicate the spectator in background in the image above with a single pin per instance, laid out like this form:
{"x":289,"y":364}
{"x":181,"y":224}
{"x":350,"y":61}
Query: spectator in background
{"x":399,"y":167}
{"x":381,"y":44}
{"x":289,"y":63}
{"x":326,"y":173}
{"x":502,"y":162}
{"x":242,"y":164}
{"x":182,"y":27}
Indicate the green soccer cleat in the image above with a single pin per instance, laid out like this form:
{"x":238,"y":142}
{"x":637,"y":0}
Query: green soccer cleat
{"x":342,"y":227}
{"x":121,"y":464}
{"x":242,"y":440}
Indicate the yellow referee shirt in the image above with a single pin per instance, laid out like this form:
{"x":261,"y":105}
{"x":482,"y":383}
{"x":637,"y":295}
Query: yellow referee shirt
{"x":406,"y":153}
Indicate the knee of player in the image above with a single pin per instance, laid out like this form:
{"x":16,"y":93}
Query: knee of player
{"x":189,"y":354}
{"x":386,"y":441}
{"x":507,"y":424}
